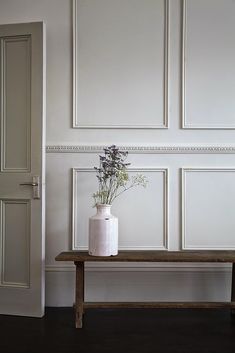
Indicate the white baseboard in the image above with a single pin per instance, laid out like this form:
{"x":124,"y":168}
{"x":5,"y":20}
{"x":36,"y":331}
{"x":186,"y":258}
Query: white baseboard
{"x":207,"y":282}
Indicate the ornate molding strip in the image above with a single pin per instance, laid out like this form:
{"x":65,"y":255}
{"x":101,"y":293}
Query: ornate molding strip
{"x":143,"y":149}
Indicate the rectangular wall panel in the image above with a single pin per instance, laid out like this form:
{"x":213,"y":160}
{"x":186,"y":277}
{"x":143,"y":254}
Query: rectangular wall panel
{"x":142,"y":212}
{"x":15,"y":77}
{"x":208,"y":64}
{"x":120,"y":63}
{"x":208,"y":203}
{"x":15,"y":243}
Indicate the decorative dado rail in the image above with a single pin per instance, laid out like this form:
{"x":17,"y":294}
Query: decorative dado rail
{"x":142,"y":149}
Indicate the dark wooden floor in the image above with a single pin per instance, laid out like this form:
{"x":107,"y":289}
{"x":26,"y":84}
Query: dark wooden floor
{"x":126,"y":331}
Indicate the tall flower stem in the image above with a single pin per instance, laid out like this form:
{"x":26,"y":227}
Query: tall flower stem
{"x":113,"y":177}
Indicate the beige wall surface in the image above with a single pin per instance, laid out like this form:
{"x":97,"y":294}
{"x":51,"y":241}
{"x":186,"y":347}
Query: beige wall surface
{"x":169,"y":98}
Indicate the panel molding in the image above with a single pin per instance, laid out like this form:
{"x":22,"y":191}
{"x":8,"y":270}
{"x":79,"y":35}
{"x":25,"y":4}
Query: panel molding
{"x":183,"y":65}
{"x":184,"y":171}
{"x":75,"y":171}
{"x":3,"y":41}
{"x":3,"y":283}
{"x":165,"y":124}
{"x":184,"y":123}
{"x":143,"y":149}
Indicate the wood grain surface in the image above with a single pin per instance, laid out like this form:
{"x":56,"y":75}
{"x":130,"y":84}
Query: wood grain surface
{"x":152,"y":256}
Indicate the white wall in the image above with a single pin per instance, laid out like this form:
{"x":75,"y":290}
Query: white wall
{"x":188,"y":151}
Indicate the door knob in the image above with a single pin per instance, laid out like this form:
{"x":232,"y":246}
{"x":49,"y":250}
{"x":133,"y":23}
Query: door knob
{"x":36,"y":186}
{"x":31,"y":184}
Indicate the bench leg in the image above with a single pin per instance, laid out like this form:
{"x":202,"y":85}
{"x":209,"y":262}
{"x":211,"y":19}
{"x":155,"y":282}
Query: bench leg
{"x":79,"y":294}
{"x":233,"y":288}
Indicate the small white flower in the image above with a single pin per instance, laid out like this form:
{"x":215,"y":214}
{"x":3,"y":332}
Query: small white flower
{"x":113,"y":177}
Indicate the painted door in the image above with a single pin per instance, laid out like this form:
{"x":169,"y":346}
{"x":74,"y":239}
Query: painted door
{"x":22,"y":169}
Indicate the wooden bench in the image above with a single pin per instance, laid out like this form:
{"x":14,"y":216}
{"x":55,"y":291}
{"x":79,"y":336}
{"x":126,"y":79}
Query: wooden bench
{"x":80,"y":257}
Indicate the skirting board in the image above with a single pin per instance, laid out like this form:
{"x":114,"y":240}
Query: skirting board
{"x":212,"y":283}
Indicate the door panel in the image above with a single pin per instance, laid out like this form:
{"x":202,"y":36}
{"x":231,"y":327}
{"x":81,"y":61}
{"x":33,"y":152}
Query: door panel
{"x":15,"y":234}
{"x":16,"y":78}
{"x":22,"y":90}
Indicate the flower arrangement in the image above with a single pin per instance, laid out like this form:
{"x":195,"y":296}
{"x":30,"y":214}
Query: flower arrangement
{"x":113,"y":176}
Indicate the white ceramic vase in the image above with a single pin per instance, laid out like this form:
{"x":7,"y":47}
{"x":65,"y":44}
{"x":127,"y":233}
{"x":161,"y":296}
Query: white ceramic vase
{"x":103,"y":232}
